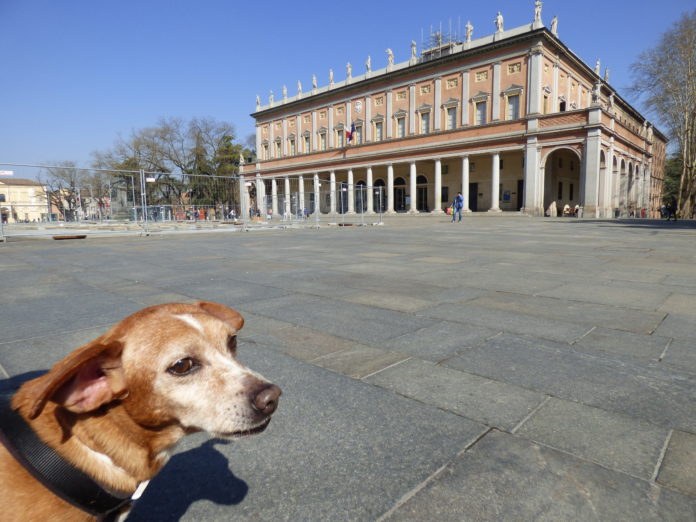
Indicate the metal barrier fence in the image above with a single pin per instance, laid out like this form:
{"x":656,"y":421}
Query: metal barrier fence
{"x":68,"y":194}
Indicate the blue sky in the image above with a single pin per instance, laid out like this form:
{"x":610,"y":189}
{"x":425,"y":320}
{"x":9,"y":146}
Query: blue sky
{"x":77,"y":74}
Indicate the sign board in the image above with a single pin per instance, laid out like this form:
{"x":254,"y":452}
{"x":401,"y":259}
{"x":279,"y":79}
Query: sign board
{"x":6,"y":173}
{"x":150,"y":180}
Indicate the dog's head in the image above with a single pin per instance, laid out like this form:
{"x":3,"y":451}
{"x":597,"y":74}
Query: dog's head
{"x":168,"y":365}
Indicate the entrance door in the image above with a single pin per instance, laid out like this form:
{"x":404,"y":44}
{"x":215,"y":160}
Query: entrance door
{"x":399,"y":199}
{"x":520,"y":194}
{"x":473,"y":197}
{"x":422,"y":199}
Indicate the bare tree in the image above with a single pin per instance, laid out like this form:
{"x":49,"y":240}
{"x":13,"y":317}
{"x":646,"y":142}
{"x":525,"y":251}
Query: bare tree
{"x":665,"y":79}
{"x":63,"y":184}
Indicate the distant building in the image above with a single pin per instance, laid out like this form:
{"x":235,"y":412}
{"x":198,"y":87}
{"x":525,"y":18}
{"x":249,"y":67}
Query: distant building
{"x":514,"y":119}
{"x":22,"y":201}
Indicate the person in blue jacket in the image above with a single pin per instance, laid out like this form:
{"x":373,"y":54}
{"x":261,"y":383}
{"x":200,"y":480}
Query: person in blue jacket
{"x":457,"y":206}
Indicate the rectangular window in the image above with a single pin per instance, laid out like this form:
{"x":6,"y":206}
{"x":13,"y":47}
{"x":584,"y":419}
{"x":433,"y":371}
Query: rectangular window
{"x":546,"y":104}
{"x":339,"y":138}
{"x":307,"y":145}
{"x":481,"y":113}
{"x":322,"y":141}
{"x":265,"y":152}
{"x":277,"y":149}
{"x":401,"y":127}
{"x":378,"y":131}
{"x":560,"y":190}
{"x":292,"y":147}
{"x":358,"y":135}
{"x":513,"y":107}
{"x":425,"y":122}
{"x":451,"y":118}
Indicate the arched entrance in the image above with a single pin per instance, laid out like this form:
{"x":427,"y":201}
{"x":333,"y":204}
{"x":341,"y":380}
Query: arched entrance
{"x":360,"y":197}
{"x":380,"y":196}
{"x":422,"y":194}
{"x":400,"y":194}
{"x":562,"y":180}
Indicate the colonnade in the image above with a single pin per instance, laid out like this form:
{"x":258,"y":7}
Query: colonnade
{"x":349,"y":186}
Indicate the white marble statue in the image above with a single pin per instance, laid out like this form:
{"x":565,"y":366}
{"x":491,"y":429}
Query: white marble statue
{"x":270,"y":98}
{"x":331,"y":77}
{"x":349,"y":70}
{"x":554,"y":26}
{"x":314,"y":81}
{"x":390,"y":57}
{"x":413,"y":50}
{"x":368,"y":64}
{"x":597,"y":68}
{"x":499,"y":22}
{"x":469,"y":30}
{"x":285,"y":92}
{"x":258,"y":100}
{"x":299,"y":87}
{"x":537,"y":10}
{"x":606,"y":75}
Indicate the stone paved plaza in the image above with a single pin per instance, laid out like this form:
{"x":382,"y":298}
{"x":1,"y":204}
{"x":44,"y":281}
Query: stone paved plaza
{"x":505,"y":368}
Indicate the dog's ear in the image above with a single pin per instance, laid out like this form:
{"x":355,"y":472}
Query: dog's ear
{"x":224,"y":313}
{"x":83,"y":381}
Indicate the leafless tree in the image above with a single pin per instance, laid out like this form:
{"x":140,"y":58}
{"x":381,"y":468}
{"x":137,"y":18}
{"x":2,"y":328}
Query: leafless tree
{"x":665,"y":79}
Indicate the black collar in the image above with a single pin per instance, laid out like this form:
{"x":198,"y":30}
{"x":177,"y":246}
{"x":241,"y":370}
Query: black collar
{"x":52,"y":470}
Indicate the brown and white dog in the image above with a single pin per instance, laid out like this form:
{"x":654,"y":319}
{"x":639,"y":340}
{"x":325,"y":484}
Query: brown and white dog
{"x":115,"y":407}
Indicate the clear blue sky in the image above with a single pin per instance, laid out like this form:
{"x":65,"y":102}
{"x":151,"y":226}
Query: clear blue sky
{"x":76,"y":74}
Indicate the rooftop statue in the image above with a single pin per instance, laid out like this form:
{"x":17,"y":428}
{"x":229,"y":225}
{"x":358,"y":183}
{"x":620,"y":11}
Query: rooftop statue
{"x":499,"y":22}
{"x":554,"y":26}
{"x":368,"y":64}
{"x":314,"y":81}
{"x":469,"y":30}
{"x":537,"y":10}
{"x":390,"y":57}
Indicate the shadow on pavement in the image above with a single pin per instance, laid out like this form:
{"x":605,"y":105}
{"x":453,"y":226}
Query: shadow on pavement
{"x":199,"y":474}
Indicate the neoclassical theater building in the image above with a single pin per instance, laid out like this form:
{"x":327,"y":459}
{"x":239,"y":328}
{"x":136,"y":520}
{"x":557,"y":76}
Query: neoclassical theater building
{"x":514,"y":120}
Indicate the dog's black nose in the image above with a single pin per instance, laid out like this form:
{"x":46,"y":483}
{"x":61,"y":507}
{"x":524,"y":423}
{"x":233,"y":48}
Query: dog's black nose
{"x":266,"y":400}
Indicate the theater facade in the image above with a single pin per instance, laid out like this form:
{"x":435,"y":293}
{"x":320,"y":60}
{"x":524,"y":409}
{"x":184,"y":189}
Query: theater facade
{"x":514,"y":120}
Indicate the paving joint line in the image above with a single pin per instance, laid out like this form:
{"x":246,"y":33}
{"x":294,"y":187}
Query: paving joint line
{"x":667,"y":347}
{"x":661,"y":457}
{"x":530,"y":414}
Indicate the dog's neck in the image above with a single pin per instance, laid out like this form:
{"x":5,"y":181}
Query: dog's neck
{"x":108,"y":446}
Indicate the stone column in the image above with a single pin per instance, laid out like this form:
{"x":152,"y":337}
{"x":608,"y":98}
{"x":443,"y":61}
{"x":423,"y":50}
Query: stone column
{"x":437,"y":105}
{"x":413,"y":209}
{"x":300,"y":181}
{"x":243,"y":211}
{"x":274,"y":197}
{"x":288,"y":209}
{"x":370,"y":194}
{"x":260,"y":196}
{"x":495,"y":183}
{"x":412,"y":109}
{"x":465,"y":183}
{"x":590,"y":172}
{"x":437,"y":199}
{"x":317,"y":205}
{"x":496,"y":92}
{"x":390,"y":189}
{"x":465,"y":98}
{"x":351,"y":193}
{"x":332,"y":192}
{"x":532,"y":179}
{"x":535,"y":79}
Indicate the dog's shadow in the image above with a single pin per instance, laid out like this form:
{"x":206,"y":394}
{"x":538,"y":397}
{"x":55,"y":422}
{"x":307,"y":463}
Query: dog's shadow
{"x":198,"y":474}
{"x":201,"y":473}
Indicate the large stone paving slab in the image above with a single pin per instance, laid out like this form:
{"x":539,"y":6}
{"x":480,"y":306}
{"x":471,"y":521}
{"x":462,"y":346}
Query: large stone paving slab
{"x":484,"y":400}
{"x":639,"y":389}
{"x":504,"y":477}
{"x":614,"y":441}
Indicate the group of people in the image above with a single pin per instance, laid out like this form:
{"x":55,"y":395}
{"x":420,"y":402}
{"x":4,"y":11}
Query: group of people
{"x":669,"y":210}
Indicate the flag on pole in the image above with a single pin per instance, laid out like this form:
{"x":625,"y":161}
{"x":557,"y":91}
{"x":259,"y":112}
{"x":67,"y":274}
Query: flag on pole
{"x":351,"y":133}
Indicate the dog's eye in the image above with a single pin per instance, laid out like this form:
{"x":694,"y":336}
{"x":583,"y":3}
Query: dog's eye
{"x":183,"y":366}
{"x":232,"y":343}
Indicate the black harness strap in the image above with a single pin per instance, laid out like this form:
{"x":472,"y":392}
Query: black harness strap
{"x":49,"y":468}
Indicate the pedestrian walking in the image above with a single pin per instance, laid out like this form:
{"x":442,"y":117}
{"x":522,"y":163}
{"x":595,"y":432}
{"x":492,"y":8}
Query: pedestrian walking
{"x":457,"y":206}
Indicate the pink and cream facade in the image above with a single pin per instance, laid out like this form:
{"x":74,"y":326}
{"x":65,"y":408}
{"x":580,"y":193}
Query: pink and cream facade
{"x":513,"y":120}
